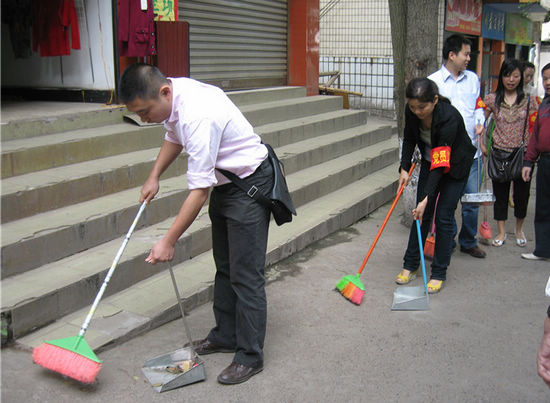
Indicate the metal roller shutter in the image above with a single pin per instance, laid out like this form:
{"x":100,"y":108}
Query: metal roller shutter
{"x":237,"y":44}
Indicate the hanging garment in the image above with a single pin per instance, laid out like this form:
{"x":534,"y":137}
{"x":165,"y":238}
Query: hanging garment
{"x":17,"y":14}
{"x":136,"y":28}
{"x":52,"y":21}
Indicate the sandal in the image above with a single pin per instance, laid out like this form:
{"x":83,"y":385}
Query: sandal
{"x":499,"y":242}
{"x":434,"y":288}
{"x":521,"y":241}
{"x":402,"y":279}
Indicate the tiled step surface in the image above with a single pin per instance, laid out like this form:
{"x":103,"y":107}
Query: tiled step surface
{"x":87,"y":224}
{"x":55,"y":287}
{"x":64,"y":217}
{"x":42,"y":191}
{"x":151,"y":302}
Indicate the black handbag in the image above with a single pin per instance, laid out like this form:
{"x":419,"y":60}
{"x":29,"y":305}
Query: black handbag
{"x":505,"y":166}
{"x":278,"y":200}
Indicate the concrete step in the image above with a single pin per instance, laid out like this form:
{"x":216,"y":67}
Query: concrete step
{"x":54,"y":289}
{"x":151,"y":302}
{"x":35,"y":240}
{"x":279,"y":111}
{"x":55,"y":117}
{"x":38,"y":192}
{"x":24,"y":156}
{"x":248,"y":97}
{"x":28,"y":119}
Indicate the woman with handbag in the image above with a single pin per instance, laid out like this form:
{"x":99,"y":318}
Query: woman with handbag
{"x":437,"y":128}
{"x":512,"y":111}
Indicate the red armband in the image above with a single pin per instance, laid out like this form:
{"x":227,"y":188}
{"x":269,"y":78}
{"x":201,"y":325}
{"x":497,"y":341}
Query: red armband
{"x":441,"y":157}
{"x":480,"y":103}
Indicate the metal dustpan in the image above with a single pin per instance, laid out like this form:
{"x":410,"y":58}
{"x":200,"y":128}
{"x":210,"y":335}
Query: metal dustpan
{"x":484,"y":196}
{"x":177,"y":368}
{"x":173,"y":370}
{"x":413,"y":298}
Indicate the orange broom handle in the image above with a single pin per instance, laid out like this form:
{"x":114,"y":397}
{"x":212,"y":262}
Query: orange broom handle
{"x":385,"y":222}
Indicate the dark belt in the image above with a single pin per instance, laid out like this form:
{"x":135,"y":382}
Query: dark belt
{"x":545,"y":154}
{"x":227,"y":186}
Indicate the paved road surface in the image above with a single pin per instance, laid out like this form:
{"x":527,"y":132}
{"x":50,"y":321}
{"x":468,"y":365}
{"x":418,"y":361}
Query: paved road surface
{"x":477,"y":343}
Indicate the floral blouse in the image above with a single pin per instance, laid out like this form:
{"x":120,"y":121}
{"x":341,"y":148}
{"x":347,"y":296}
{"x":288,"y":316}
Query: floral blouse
{"x":509,"y":121}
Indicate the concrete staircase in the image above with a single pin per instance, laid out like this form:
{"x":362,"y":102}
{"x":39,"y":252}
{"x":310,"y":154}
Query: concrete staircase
{"x":70,"y":193}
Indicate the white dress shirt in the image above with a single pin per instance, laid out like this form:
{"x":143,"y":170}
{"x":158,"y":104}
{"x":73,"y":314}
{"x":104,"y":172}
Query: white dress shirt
{"x":214,"y":133}
{"x":463,"y":94}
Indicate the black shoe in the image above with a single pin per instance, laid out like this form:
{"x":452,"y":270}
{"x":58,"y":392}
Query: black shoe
{"x":204,"y":346}
{"x":237,"y":373}
{"x":476,"y":251}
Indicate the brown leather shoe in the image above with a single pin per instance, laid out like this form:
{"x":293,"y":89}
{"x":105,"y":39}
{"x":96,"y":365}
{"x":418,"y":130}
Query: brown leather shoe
{"x":205,"y":346}
{"x":476,"y":251}
{"x":237,"y":373}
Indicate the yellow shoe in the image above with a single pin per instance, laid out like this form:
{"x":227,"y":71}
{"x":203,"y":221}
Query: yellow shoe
{"x":405,"y":278}
{"x":434,"y":286}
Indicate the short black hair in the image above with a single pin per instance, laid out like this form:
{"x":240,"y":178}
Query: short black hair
{"x":528,"y":65}
{"x":546,"y":67}
{"x":140,"y":80}
{"x":454,"y":44}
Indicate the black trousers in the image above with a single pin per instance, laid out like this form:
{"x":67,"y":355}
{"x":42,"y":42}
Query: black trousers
{"x":542,"y":210}
{"x":239,"y":242}
{"x":502,"y":193}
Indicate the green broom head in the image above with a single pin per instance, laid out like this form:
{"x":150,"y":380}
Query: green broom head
{"x":353,"y":289}
{"x":352,"y":278}
{"x":71,"y":357}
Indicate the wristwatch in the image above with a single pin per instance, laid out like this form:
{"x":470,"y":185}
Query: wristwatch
{"x":548,"y":311}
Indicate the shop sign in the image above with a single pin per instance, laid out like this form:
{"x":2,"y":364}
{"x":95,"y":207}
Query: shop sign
{"x":464,"y":16}
{"x":493,"y":23}
{"x":519,"y":30}
{"x":165,"y":10}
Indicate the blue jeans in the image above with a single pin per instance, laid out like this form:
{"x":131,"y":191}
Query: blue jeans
{"x":450,"y":191}
{"x":467,"y":237}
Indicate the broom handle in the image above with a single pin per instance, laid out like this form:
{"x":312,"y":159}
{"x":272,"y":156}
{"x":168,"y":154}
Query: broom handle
{"x":182,"y":310}
{"x":385,"y":222}
{"x":110,"y":273}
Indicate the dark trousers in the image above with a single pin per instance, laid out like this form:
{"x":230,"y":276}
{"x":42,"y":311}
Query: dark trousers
{"x":450,"y":191}
{"x":239,"y":243}
{"x":542,"y":208}
{"x":502,"y":193}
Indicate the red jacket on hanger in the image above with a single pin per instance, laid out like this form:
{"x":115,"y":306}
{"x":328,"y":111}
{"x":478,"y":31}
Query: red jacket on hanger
{"x":52,"y":20}
{"x":136,"y":28}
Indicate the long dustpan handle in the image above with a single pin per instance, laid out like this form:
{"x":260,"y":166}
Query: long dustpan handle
{"x":422,"y":256}
{"x":385,"y":222}
{"x":110,"y":272}
{"x":187,"y":331}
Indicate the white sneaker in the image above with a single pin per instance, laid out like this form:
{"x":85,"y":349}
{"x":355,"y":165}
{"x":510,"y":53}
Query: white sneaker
{"x":530,"y":256}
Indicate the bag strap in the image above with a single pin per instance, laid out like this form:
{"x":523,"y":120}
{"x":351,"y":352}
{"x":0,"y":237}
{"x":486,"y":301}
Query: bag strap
{"x":251,"y":191}
{"x":526,"y":117}
{"x":491,"y":136}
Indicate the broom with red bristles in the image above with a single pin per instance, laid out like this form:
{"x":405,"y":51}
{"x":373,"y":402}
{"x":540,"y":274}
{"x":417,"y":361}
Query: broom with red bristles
{"x":72,"y":356}
{"x":351,"y":286}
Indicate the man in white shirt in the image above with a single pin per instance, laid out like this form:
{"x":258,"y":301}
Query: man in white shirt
{"x":461,"y":87}
{"x":215,"y":134}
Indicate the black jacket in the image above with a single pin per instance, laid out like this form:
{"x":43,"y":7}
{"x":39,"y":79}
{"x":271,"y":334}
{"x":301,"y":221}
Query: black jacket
{"x":447,"y":130}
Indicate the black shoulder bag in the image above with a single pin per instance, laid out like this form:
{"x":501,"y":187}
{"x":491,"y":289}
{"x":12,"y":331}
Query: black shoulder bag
{"x":278,"y":200}
{"x":505,"y":166}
